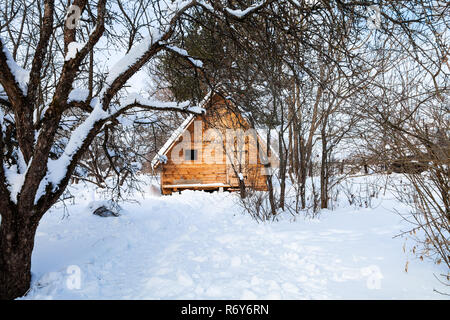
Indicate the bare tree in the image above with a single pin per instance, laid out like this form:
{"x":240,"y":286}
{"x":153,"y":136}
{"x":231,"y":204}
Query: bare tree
{"x":36,"y":164}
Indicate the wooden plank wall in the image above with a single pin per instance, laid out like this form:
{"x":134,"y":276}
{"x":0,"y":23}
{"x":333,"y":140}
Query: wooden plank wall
{"x":206,"y":172}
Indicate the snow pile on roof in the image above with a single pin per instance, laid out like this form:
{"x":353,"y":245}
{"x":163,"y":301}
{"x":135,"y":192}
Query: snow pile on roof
{"x":179,"y":131}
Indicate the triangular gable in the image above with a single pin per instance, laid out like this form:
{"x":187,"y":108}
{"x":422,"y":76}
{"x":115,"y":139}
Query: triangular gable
{"x":177,"y":134}
{"x":161,"y":155}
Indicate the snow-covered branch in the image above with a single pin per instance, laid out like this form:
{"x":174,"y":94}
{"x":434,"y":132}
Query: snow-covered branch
{"x":4,"y":97}
{"x":41,"y":48}
{"x":218,"y":9}
{"x":57,"y":169}
{"x":135,"y":100}
{"x":78,"y":95}
{"x":139,"y":55}
{"x":72,"y":50}
{"x":126,"y":62}
{"x":80,"y":50}
{"x":240,"y":14}
{"x":185,"y":54}
{"x":13,"y":78}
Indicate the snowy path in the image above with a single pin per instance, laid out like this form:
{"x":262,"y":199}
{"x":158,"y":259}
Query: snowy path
{"x":198,"y":246}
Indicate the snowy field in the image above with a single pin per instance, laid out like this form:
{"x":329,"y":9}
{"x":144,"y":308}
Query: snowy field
{"x":197,"y":245}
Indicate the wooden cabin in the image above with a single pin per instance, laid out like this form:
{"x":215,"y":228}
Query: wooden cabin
{"x":213,"y":152}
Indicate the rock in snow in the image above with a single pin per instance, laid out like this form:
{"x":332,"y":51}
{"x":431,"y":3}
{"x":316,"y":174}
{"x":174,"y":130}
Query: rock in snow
{"x":104,"y":212}
{"x":105,"y":208}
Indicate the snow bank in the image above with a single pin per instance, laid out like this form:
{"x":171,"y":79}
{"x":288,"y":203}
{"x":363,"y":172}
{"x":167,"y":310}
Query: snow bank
{"x":197,"y":245}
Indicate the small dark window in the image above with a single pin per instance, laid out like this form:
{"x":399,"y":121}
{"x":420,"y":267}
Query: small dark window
{"x":190,"y":154}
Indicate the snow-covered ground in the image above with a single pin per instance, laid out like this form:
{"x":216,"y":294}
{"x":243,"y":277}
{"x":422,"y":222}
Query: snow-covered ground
{"x":197,"y":245}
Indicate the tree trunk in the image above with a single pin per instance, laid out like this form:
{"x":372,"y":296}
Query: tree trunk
{"x":302,"y":171}
{"x":283,"y":160}
{"x":273,"y":208}
{"x":324,"y":171}
{"x":242,"y":191}
{"x":290,"y":152}
{"x":324,"y":183}
{"x":16,"y":246}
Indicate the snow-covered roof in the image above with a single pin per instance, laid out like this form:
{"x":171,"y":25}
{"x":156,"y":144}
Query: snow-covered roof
{"x":161,"y":155}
